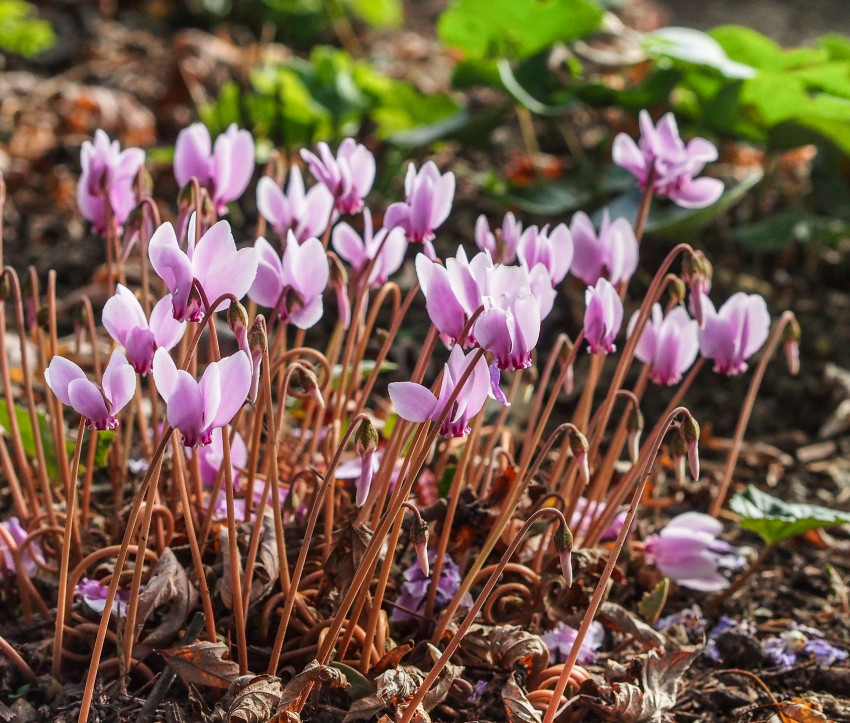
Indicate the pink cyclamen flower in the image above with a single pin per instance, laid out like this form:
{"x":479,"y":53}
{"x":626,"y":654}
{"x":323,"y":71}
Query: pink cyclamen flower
{"x":553,"y":249}
{"x":668,"y":344}
{"x":212,"y":458}
{"x":612,"y":254}
{"x":428,"y":200}
{"x":662,"y":156}
{"x":99,"y":405}
{"x":586,"y":511}
{"x":687,"y":551}
{"x":359,"y":251}
{"x":348,"y":176}
{"x":603,"y":317}
{"x":15,"y":530}
{"x":502,"y":244}
{"x":292,"y":285}
{"x":198,"y":408}
{"x":107,"y":174}
{"x":306,"y":214}
{"x":562,"y":637}
{"x":225,"y":169}
{"x":125,"y":321}
{"x":94,"y":594}
{"x":214,"y":263}
{"x":735,"y":332}
{"x":416,"y":403}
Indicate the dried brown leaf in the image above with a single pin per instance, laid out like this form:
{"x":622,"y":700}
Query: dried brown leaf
{"x":349,"y":547}
{"x":202,"y":663}
{"x":517,"y":707}
{"x":168,"y":585}
{"x":225,"y":582}
{"x":267,"y":565}
{"x":391,"y":659}
{"x":511,"y":646}
{"x":617,"y":617}
{"x":799,"y":710}
{"x":313,"y":673}
{"x":256,"y":701}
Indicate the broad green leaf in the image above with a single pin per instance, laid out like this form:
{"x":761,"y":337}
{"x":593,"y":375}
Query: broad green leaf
{"x":21,"y":31}
{"x":750,"y":47}
{"x":548,"y":198}
{"x":367,"y":366}
{"x":694,"y":46}
{"x":378,"y":13}
{"x":515,"y":28}
{"x":775,"y":520}
{"x":472,"y":129}
{"x":652,"y":602}
{"x":445,"y":484}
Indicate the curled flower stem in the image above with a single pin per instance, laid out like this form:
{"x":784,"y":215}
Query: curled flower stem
{"x":746,"y":410}
{"x":456,"y":639}
{"x":601,"y":586}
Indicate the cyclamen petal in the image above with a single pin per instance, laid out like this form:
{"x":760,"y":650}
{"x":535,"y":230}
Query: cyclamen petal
{"x":735,"y":332}
{"x":428,"y":203}
{"x":603,"y":317}
{"x":348,"y":176}
{"x":668,"y":344}
{"x":612,"y":254}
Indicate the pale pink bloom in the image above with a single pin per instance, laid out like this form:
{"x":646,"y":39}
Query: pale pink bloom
{"x":427,"y":203}
{"x":603,"y":317}
{"x":735,"y":332}
{"x":552,"y":248}
{"x":292,"y":285}
{"x":125,"y":321}
{"x":612,"y":254}
{"x":586,"y":511}
{"x":108,"y":173}
{"x":214,"y":263}
{"x":94,"y":594}
{"x":386,"y":247}
{"x":416,"y":403}
{"x":212,"y":458}
{"x":562,"y":637}
{"x":32,"y":553}
{"x":687,"y":551}
{"x":502,"y":245}
{"x":668,"y":344}
{"x":306,"y":214}
{"x":348,"y":176}
{"x":99,"y":405}
{"x":662,"y":154}
{"x":197,"y":408}
{"x":224,"y":169}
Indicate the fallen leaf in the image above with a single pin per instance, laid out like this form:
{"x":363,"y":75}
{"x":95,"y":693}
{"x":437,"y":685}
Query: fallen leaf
{"x":391,"y":658}
{"x":652,"y":602}
{"x":617,"y":617}
{"x":267,"y":565}
{"x":256,"y":701}
{"x":799,"y":710}
{"x":313,"y":673}
{"x":517,"y":707}
{"x":202,"y":663}
{"x":511,"y":646}
{"x":168,"y":585}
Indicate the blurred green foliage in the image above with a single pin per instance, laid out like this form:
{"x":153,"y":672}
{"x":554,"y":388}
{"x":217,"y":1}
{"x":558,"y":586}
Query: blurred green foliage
{"x":21,"y":31}
{"x":327,"y":97}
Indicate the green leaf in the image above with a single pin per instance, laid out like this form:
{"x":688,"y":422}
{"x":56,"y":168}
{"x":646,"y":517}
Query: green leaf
{"x":445,"y":484}
{"x":378,"y":13}
{"x":21,"y":31}
{"x":775,"y":520}
{"x":694,"y":46}
{"x":548,"y":198}
{"x":652,"y":602}
{"x":515,"y":28}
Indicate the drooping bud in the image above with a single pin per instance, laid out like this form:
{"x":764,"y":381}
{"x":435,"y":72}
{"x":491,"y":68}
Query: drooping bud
{"x":419,"y":534}
{"x":680,"y":457}
{"x":579,"y":447}
{"x":564,"y":545}
{"x":306,"y":378}
{"x":256,"y":348}
{"x":292,"y":301}
{"x":42,"y":318}
{"x":366,"y":443}
{"x":144,"y":183}
{"x":677,"y":289}
{"x":339,"y":281}
{"x":237,"y":320}
{"x":697,"y":273}
{"x":689,"y":429}
{"x":569,"y":377}
{"x":277,"y":167}
{"x":791,"y":343}
{"x":635,"y":430}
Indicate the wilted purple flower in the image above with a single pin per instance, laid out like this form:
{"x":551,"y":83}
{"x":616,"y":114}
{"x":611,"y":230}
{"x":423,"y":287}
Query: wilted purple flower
{"x":586,"y":511}
{"x":603,"y":317}
{"x":225,"y":169}
{"x":197,"y":408}
{"x":212,"y":457}
{"x":668,"y":344}
{"x":125,"y":321}
{"x":349,"y":176}
{"x":305,"y":214}
{"x":427,"y":203}
{"x":553,"y":249}
{"x":414,"y":589}
{"x":94,"y":593}
{"x":687,"y":551}
{"x":561,"y":638}
{"x":16,"y":531}
{"x":801,"y":640}
{"x":612,"y":254}
{"x":662,"y":156}
{"x":214,"y":263}
{"x":726,"y":624}
{"x":359,"y":251}
{"x":735,"y":332}
{"x":502,"y":245}
{"x":416,"y":403}
{"x":690,"y":618}
{"x":99,"y":405}
{"x":107,"y":174}
{"x":292,"y":285}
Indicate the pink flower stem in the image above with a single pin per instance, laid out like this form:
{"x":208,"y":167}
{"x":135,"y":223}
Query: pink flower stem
{"x":746,"y":410}
{"x":457,"y":638}
{"x":602,"y":585}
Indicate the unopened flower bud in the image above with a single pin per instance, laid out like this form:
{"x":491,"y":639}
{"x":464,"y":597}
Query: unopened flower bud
{"x":697,"y":273}
{"x":42,"y":317}
{"x":579,"y":447}
{"x":237,"y":320}
{"x":689,"y":429}
{"x":256,"y":347}
{"x":419,"y":534}
{"x":276,"y":168}
{"x":339,"y":281}
{"x":144,"y":183}
{"x":680,"y":456}
{"x":292,"y":301}
{"x":677,"y":289}
{"x":186,"y":198}
{"x":569,"y":377}
{"x":791,"y":343}
{"x":366,"y":443}
{"x":635,"y":430}
{"x":563,"y":541}
{"x":306,"y":378}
